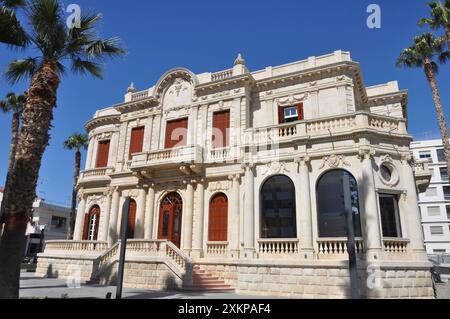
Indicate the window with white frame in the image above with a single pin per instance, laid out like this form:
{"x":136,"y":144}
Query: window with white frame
{"x":441,"y":155}
{"x":425,"y":155}
{"x":446,"y":190}
{"x":434,"y":211}
{"x":444,"y":174}
{"x":437,"y":230}
{"x":448,"y":212}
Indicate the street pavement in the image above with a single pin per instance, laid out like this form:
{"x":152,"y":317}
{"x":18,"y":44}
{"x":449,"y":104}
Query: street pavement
{"x":33,"y":287}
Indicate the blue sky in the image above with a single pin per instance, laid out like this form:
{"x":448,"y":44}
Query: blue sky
{"x":206,"y":36}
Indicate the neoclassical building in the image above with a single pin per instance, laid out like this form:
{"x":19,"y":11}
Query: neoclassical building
{"x":243,"y":180}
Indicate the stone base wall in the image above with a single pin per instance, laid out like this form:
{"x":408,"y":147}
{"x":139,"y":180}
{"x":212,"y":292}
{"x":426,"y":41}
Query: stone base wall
{"x":55,"y":266}
{"x":142,"y":275}
{"x":322,"y":282}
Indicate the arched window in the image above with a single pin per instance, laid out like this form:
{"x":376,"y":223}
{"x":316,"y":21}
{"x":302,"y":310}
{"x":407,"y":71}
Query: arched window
{"x":337,"y":192}
{"x":170,"y":216}
{"x":131,"y":219}
{"x":278,"y":218}
{"x":218,"y":218}
{"x":91,"y":222}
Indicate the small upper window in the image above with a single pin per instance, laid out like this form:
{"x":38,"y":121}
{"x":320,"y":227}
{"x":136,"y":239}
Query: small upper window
{"x":425,"y":155}
{"x":386,"y":173}
{"x":440,"y":155}
{"x":292,"y":113}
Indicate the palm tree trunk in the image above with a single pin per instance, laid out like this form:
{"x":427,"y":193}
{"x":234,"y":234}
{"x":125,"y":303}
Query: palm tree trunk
{"x":74,"y":195}
{"x":33,"y":140}
{"x":15,"y":123}
{"x":431,"y":76}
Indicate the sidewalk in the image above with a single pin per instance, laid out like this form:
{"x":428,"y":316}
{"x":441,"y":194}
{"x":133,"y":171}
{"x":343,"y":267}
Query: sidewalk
{"x":32,"y":287}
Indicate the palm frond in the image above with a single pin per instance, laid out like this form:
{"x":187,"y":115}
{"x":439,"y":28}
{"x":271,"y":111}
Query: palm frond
{"x":21,"y":69}
{"x":11,"y":31}
{"x":444,"y":57}
{"x":13,"y":3}
{"x":84,"y":67}
{"x":47,"y":21}
{"x":77,"y":141}
{"x":108,"y":47}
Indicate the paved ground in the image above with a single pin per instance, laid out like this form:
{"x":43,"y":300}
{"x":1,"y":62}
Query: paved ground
{"x":32,"y":287}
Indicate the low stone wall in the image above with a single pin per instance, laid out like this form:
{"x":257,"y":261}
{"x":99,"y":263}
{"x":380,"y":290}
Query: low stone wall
{"x":154,"y":275}
{"x":65,"y":266}
{"x":228,"y":272}
{"x":325,"y":280}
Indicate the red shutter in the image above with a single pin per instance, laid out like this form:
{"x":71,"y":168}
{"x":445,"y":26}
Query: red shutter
{"x":301,"y":116}
{"x":136,"y":141}
{"x":280,"y":115}
{"x":218,"y":218}
{"x":86,"y":227}
{"x":102,"y":154}
{"x":131,"y":219}
{"x":221,"y":126}
{"x":176,"y":133}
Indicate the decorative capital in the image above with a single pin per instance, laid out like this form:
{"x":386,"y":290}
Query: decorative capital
{"x":386,"y":159}
{"x":407,"y":158}
{"x":334,"y":161}
{"x":366,"y":152}
{"x":248,"y":165}
{"x":234,"y":177}
{"x":302,"y":160}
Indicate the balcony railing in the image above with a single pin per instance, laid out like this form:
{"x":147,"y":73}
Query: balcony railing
{"x":185,"y":154}
{"x":395,"y":245}
{"x":277,"y":247}
{"x":216,"y":248}
{"x":96,"y":173}
{"x":337,"y":246}
{"x":222,"y":75}
{"x":75,"y":246}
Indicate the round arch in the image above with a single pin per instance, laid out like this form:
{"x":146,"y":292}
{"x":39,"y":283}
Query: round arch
{"x":336,"y":192}
{"x":218,"y":218}
{"x":278,"y":208}
{"x":91,"y":223}
{"x":170,"y":217}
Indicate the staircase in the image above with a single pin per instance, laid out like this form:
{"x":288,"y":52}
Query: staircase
{"x":204,"y":281}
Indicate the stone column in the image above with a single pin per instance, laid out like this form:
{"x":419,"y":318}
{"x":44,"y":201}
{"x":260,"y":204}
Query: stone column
{"x":140,"y":214}
{"x":233,"y":217}
{"x":188,"y":214}
{"x":90,"y":153}
{"x":113,"y":235}
{"x":197,"y":246}
{"x":306,"y":234}
{"x":106,"y":214}
{"x":370,"y":216}
{"x":149,"y":212}
{"x":412,"y":213}
{"x":249,"y":212}
{"x":79,"y":222}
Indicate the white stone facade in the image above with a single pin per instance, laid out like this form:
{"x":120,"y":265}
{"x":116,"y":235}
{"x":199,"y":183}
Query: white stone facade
{"x":345,"y":126}
{"x":435,"y":203}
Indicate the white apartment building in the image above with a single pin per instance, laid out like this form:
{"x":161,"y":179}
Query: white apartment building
{"x":435,"y":202}
{"x":51,"y":218}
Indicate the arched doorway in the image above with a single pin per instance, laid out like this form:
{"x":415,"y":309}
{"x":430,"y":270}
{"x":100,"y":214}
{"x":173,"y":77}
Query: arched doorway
{"x":218,"y":218}
{"x":131,"y":219}
{"x":91,"y":222}
{"x":170,"y":218}
{"x":337,"y":192}
{"x":278,"y":213}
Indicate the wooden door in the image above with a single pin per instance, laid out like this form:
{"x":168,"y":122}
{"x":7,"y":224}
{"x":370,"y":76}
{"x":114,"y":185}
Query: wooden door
{"x":170,"y":214}
{"x":218,"y":218}
{"x":102,"y":154}
{"x":91,"y":222}
{"x":131,"y":219}
{"x":136,"y":141}
{"x":176,"y":133}
{"x":221,"y":126}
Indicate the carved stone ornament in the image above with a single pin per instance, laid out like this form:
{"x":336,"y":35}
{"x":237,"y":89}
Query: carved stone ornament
{"x":95,"y":200}
{"x":104,"y":136}
{"x":273,"y":168}
{"x":219,"y":186}
{"x":334,"y":161}
{"x":292,"y":99}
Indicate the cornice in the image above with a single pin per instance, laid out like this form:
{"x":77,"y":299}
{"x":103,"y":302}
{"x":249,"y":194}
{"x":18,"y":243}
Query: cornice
{"x":101,"y":121}
{"x":241,"y":80}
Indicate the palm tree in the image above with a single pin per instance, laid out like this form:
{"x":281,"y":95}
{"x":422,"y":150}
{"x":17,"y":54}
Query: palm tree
{"x":75,"y":142}
{"x":15,"y":104}
{"x":422,"y":55}
{"x":11,"y":31}
{"x":56,"y":46}
{"x":440,"y":17}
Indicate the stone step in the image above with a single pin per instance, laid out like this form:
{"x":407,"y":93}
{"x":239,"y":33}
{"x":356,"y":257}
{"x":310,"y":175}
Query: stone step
{"x":208,"y":281}
{"x":209,"y":288}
